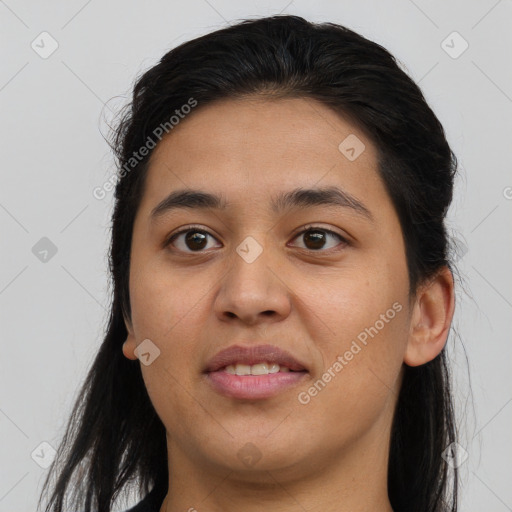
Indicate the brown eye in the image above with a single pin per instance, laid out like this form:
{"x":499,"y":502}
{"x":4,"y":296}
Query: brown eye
{"x":316,"y":238}
{"x":190,"y":240}
{"x":195,"y":240}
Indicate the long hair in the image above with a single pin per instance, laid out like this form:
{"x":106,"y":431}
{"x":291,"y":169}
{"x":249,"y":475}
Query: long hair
{"x":114,"y":438}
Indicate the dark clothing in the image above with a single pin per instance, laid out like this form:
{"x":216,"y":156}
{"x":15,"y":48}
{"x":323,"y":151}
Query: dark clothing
{"x":151,"y":503}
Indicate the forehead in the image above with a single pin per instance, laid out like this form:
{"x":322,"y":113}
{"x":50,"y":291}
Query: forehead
{"x":253,"y":147}
{"x":253,"y":124}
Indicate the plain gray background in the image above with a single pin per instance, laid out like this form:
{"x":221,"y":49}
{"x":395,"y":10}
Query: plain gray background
{"x":53,"y":111}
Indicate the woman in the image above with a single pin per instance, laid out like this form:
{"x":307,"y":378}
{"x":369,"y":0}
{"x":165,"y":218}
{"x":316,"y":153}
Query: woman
{"x":282,"y":291}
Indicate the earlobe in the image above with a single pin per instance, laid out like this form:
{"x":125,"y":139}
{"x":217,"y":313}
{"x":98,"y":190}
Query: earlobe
{"x":129,"y":345}
{"x":129,"y":349}
{"x":431,"y":319}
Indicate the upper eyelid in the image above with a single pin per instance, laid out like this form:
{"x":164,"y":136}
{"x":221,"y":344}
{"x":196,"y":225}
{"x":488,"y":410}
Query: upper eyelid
{"x":308,"y":227}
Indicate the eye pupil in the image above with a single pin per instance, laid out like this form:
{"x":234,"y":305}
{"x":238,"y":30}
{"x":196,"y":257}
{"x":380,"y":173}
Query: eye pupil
{"x":195,"y":237}
{"x":316,"y":237}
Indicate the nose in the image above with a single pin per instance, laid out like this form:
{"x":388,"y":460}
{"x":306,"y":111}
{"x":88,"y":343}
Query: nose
{"x":253,"y":291}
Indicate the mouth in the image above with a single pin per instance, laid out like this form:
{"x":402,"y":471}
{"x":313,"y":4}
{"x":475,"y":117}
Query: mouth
{"x":251,"y":373}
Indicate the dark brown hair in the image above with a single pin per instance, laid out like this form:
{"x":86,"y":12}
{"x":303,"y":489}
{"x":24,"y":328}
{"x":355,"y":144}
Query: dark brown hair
{"x":114,"y":435}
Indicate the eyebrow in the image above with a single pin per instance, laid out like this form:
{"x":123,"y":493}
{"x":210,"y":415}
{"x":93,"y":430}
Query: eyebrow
{"x":297,"y":198}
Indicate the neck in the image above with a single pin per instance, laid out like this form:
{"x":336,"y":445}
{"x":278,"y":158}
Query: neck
{"x":352,"y":481}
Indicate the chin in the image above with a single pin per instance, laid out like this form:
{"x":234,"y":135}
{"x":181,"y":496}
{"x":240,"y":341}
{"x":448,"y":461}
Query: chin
{"x":249,"y":457}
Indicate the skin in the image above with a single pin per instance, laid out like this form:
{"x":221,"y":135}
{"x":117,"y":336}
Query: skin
{"x":330,"y":454}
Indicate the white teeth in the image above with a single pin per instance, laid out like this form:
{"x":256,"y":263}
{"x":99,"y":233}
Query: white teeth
{"x":243,"y":369}
{"x":255,"y":369}
{"x":259,"y":369}
{"x":274,"y":368}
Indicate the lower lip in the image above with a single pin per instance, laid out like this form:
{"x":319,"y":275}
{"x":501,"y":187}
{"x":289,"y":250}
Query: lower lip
{"x":250,"y":387}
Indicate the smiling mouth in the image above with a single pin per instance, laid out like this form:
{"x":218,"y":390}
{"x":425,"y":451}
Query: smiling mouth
{"x":253,"y":382}
{"x":253,"y":372}
{"x":255,"y":369}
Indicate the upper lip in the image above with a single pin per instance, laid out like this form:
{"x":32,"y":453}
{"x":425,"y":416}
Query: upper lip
{"x":253,"y":355}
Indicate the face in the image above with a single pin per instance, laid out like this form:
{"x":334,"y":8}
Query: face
{"x":322,"y":277}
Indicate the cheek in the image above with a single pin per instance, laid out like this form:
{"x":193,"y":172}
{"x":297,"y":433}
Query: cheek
{"x":361,"y":355}
{"x":360,"y":378}
{"x":369,"y":333}
{"x":164,"y":302}
{"x":169,"y":309}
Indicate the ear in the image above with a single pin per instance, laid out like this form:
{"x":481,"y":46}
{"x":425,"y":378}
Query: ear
{"x":431,"y":319}
{"x":129,"y":345}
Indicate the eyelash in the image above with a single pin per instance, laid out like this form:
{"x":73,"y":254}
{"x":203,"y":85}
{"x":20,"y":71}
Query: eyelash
{"x":304,"y":229}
